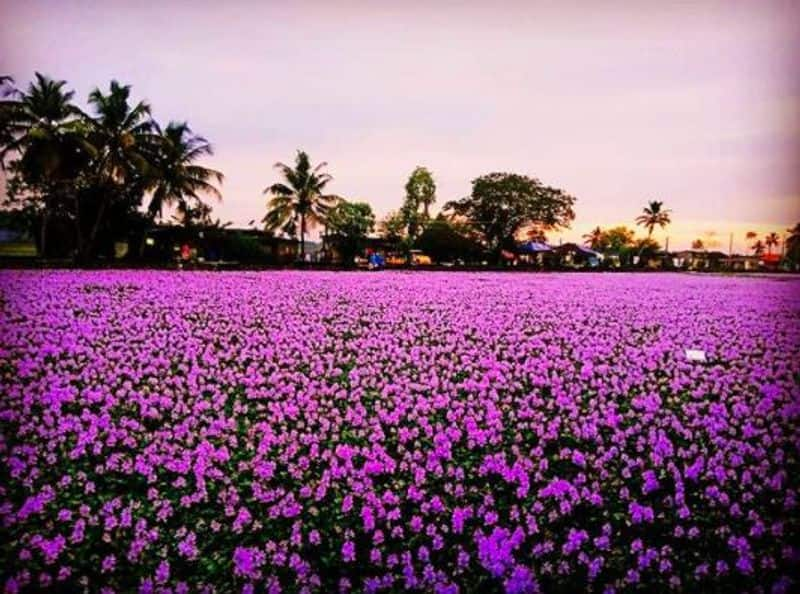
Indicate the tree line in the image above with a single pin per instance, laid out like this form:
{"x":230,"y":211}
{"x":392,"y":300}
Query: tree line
{"x":99,"y":173}
{"x":90,"y":177}
{"x":488,"y":220}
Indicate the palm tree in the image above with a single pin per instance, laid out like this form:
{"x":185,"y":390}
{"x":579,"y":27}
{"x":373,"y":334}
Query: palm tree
{"x":177,"y":179}
{"x":44,"y":130}
{"x":299,"y":202}
{"x":653,"y":215}
{"x":771,"y":240}
{"x":758,"y":248}
{"x":190,"y":215}
{"x":594,"y":238}
{"x":123,"y":135}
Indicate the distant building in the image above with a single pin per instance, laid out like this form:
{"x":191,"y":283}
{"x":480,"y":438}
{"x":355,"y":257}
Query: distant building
{"x":698,"y":260}
{"x":572,"y":255}
{"x":166,"y":243}
{"x":534,"y":253}
{"x":741,"y":263}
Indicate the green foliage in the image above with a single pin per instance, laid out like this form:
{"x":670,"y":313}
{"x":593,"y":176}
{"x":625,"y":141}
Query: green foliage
{"x":647,"y":247}
{"x":351,"y":221}
{"x":447,"y":241}
{"x":299,"y":202}
{"x":420,"y":192}
{"x":617,"y":239}
{"x":178,"y":179}
{"x":393,"y":228}
{"x":654,"y":215}
{"x":92,"y":172}
{"x":503,"y":203}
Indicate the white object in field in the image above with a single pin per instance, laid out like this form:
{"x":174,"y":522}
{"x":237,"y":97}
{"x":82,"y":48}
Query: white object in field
{"x":696,"y":355}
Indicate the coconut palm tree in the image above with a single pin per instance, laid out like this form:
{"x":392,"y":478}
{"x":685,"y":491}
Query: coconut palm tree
{"x":194,"y":215}
{"x":654,"y":215}
{"x":771,"y":240}
{"x":177,"y":179}
{"x":123,"y":134}
{"x":126,"y":143}
{"x":758,"y":248}
{"x":42,"y":137}
{"x":594,"y":238}
{"x":300,"y":202}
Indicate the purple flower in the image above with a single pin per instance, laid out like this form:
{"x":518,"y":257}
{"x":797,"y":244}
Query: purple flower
{"x":348,"y":551}
{"x":247,"y":561}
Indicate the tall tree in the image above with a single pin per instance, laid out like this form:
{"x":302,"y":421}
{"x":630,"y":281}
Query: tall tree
{"x":503,"y":203}
{"x":42,"y":141}
{"x":300,"y":200}
{"x":351,"y":222}
{"x":177,"y":179}
{"x":123,"y":136}
{"x":420,"y":194}
{"x":420,"y":191}
{"x":771,"y":240}
{"x":654,"y":215}
{"x":595,"y":239}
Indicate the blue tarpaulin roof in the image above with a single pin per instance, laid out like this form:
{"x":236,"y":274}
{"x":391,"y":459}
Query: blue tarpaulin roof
{"x":533,"y":247}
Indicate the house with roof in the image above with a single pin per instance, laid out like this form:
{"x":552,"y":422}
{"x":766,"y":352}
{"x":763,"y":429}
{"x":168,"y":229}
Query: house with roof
{"x":572,"y":255}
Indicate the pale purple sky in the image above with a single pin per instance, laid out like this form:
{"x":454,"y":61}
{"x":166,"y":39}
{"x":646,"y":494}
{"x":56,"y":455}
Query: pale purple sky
{"x":696,"y":104}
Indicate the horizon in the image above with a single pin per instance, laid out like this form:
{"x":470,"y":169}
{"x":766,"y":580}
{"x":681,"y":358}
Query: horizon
{"x":696,"y":106}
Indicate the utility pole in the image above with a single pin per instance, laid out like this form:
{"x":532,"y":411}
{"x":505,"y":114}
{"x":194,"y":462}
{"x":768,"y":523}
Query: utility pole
{"x":730,"y":247}
{"x":666,"y":245}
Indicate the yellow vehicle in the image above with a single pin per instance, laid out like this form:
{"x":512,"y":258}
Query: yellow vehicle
{"x":420,"y":259}
{"x":395,"y":260}
{"x":417,"y":259}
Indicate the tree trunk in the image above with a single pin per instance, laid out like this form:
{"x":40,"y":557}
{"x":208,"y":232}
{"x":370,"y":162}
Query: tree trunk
{"x":302,"y":237}
{"x":89,"y":243}
{"x":43,"y":231}
{"x":78,"y":228}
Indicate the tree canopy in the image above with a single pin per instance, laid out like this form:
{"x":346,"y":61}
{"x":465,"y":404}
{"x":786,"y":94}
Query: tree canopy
{"x":503,"y":203}
{"x":448,"y":241}
{"x":300,"y":201}
{"x":654,"y":215}
{"x":351,"y":221}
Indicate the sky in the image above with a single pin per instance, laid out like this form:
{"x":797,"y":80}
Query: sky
{"x":696,"y":104}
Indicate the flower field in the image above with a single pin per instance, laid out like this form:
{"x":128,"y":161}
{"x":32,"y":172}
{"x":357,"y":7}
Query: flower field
{"x":446,"y":432}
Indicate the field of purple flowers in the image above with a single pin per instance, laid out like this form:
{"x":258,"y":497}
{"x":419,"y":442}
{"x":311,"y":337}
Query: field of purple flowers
{"x":288,"y":431}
